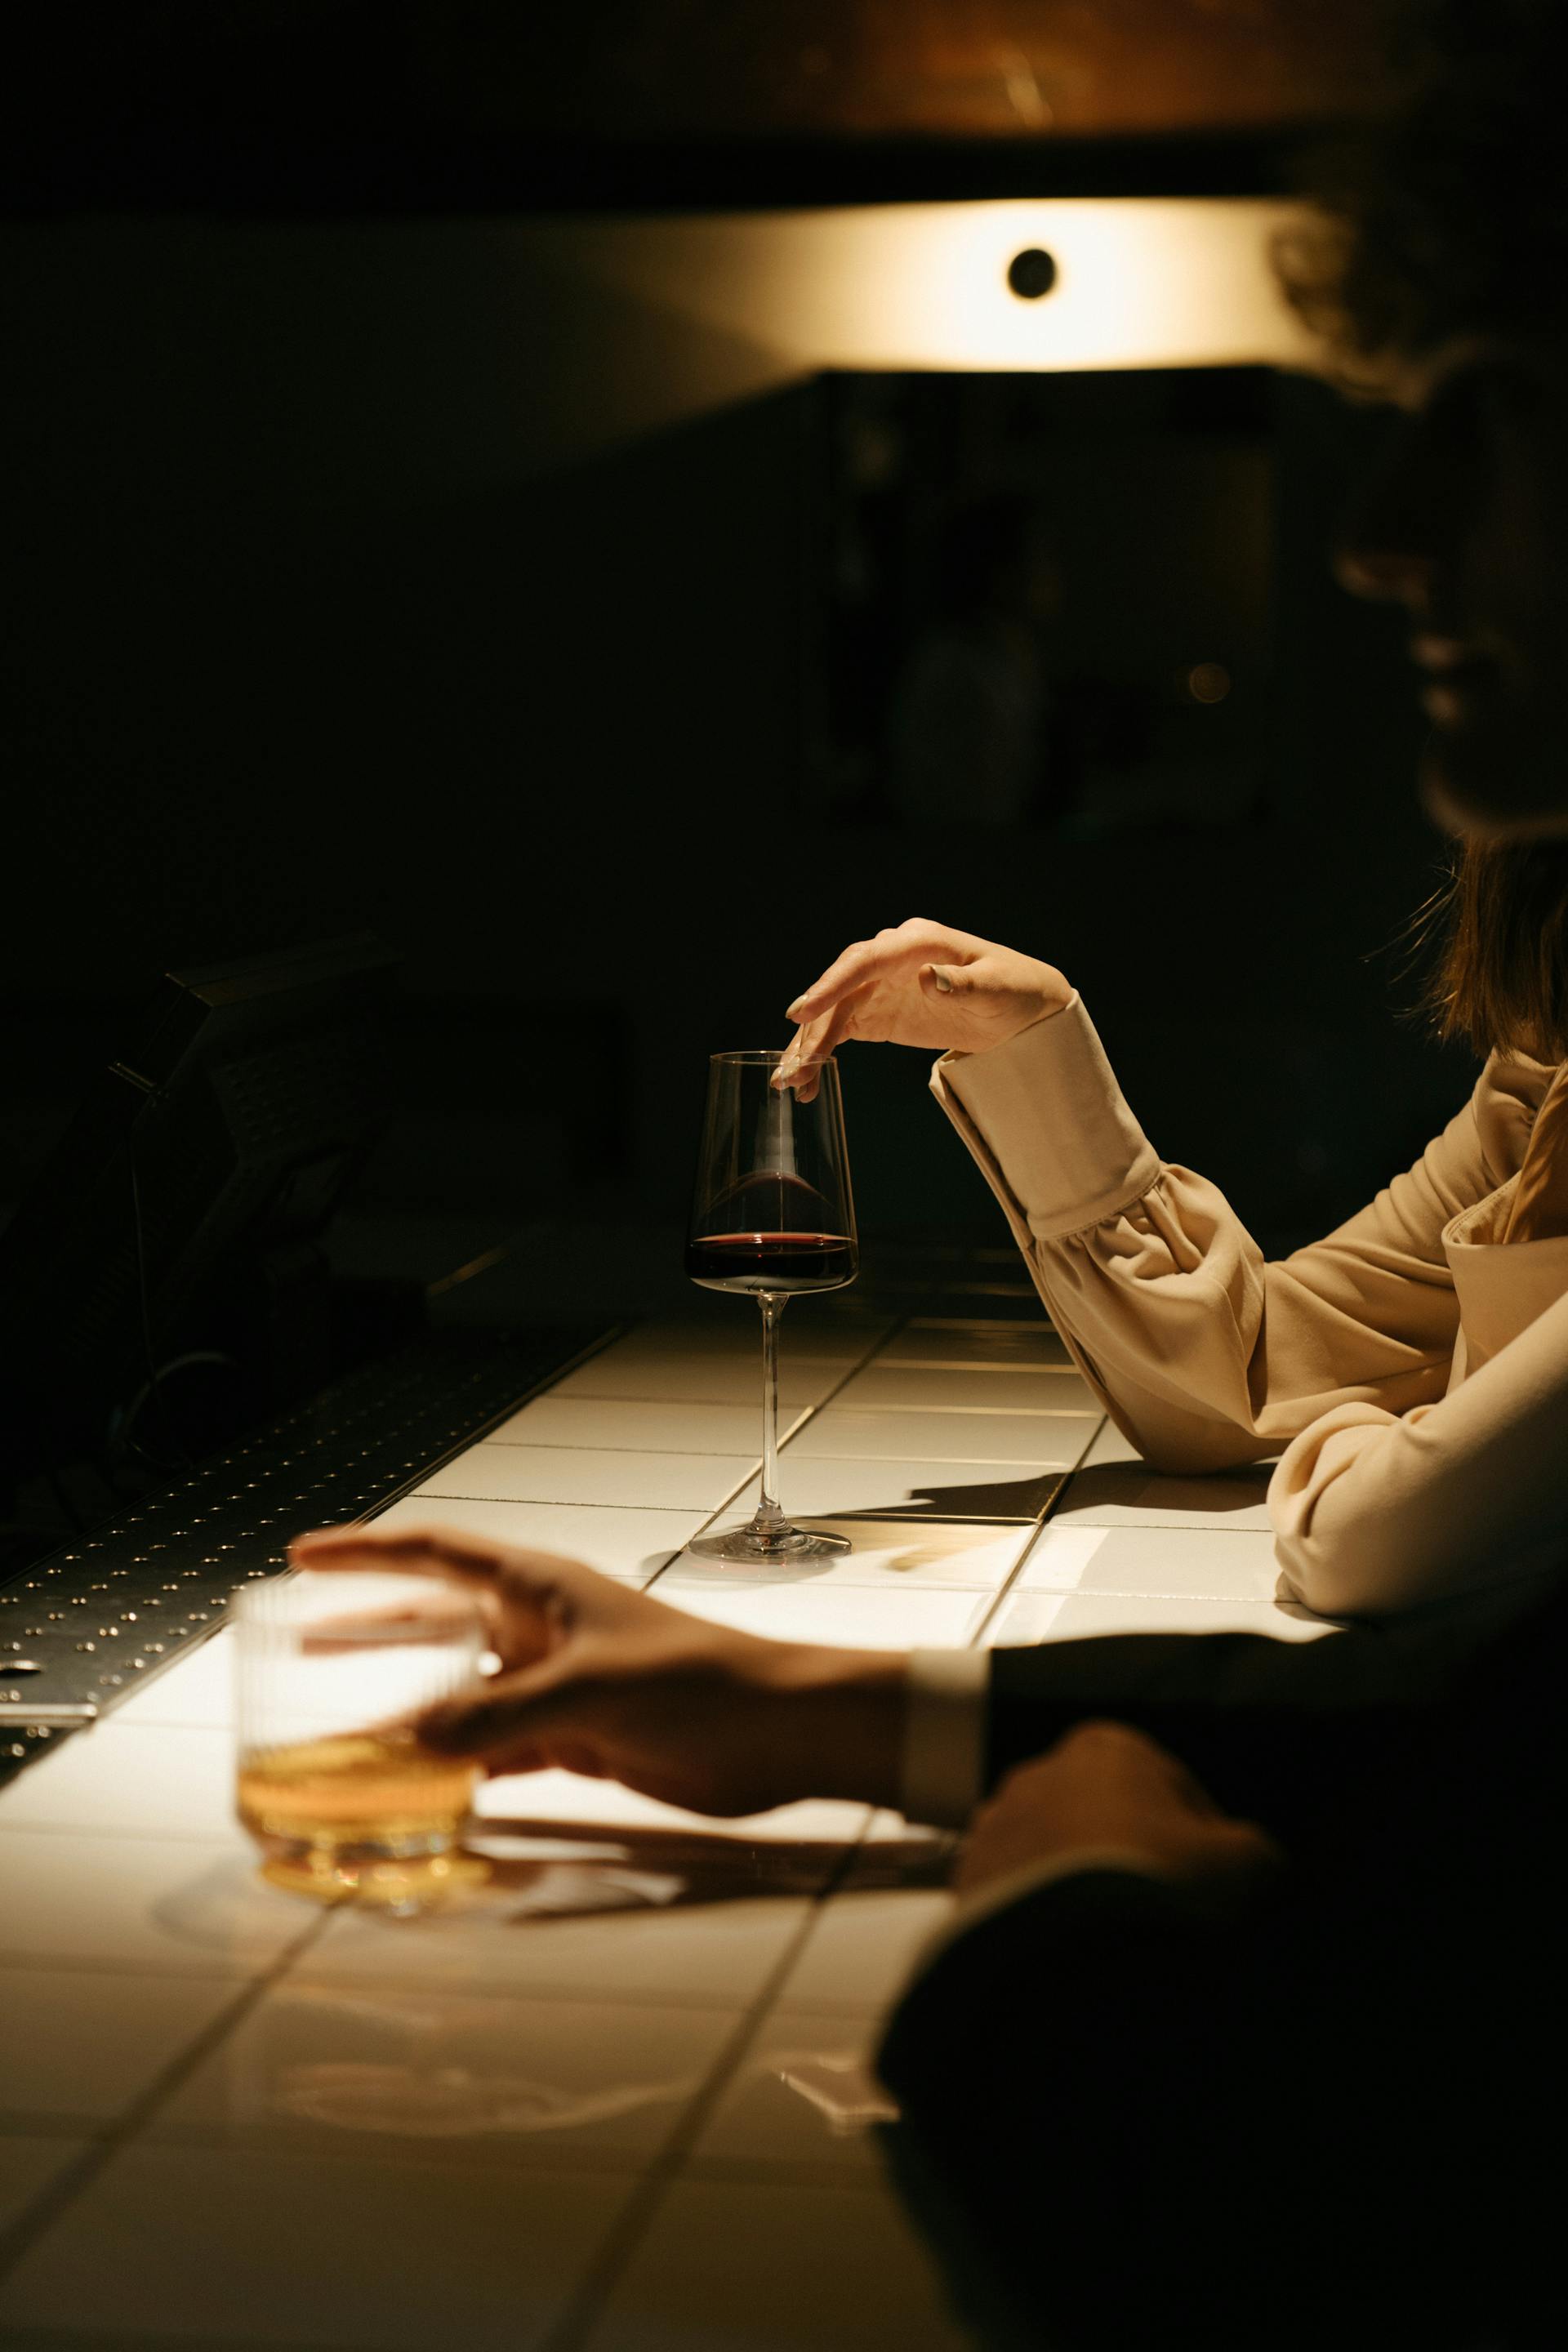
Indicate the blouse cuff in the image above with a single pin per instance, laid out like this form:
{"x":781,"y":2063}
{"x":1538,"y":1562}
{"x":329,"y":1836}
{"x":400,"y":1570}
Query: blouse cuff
{"x":1047,"y":1123}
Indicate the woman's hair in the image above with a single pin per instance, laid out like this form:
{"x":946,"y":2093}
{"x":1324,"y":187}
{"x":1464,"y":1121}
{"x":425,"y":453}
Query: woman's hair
{"x":1445,"y":214}
{"x":1501,"y":978}
{"x":1446,"y":211}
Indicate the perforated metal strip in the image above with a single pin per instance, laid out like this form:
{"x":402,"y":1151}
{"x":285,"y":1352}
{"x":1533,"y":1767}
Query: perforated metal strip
{"x":96,"y":1621}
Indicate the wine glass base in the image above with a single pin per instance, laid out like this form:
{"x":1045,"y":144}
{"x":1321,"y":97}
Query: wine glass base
{"x":768,"y":1543}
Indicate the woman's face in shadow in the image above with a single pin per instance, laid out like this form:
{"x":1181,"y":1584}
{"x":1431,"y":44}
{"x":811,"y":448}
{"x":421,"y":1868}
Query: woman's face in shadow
{"x":1465,"y":524}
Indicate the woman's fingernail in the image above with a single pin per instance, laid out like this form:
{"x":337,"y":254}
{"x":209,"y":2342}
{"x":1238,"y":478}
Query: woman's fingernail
{"x":787,"y":1068}
{"x":940,"y":982}
{"x":792,"y":1012}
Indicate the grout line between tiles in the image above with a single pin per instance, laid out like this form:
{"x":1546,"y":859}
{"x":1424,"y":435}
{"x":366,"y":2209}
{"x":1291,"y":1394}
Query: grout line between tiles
{"x":988,"y":1617}
{"x":987,"y":1411}
{"x":640,"y":2210}
{"x":1025,"y":1370}
{"x":582,"y":1445}
{"x":52,"y":2201}
{"x":535,"y":1503}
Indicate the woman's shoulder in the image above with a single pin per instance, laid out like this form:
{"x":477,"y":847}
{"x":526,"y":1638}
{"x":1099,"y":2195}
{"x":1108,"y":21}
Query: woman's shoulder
{"x":1507,"y":1095}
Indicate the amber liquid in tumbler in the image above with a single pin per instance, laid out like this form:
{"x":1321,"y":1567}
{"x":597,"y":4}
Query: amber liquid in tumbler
{"x":354,"y":1792}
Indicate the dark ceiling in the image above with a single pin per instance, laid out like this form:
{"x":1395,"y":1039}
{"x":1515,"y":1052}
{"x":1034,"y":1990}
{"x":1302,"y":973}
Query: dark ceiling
{"x":373,"y":105}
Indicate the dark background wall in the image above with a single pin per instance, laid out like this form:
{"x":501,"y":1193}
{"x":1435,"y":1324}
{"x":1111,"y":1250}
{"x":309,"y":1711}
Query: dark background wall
{"x":326,"y":612}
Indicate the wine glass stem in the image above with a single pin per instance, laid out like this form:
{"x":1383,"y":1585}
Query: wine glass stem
{"x":773,"y":1305}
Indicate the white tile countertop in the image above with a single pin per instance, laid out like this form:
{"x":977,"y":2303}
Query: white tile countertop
{"x":617,"y":2101}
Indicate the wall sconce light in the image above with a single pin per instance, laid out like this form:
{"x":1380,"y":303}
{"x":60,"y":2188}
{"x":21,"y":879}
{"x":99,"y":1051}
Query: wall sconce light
{"x":1031,"y":273}
{"x":1134,"y":281}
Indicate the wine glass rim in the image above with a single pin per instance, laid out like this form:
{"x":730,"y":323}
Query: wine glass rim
{"x":768,"y":1056}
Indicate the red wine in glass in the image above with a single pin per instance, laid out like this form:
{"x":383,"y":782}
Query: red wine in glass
{"x":771,"y":1213}
{"x":776,"y":1244}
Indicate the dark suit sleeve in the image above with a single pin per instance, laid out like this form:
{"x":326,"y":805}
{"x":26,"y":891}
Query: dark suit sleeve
{"x":1129,"y":2121}
{"x":1279,"y":1732}
{"x":1333,"y":2116}
{"x":1069,"y":2113}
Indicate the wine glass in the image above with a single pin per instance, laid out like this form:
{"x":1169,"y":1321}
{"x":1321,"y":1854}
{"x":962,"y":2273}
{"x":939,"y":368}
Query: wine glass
{"x":770,"y":1213}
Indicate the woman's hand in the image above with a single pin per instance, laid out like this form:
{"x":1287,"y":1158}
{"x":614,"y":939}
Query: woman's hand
{"x":604,"y":1680}
{"x":921,"y":984}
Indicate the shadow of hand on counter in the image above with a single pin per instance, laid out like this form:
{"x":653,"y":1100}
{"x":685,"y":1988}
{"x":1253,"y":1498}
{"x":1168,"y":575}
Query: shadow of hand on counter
{"x":542,"y":1870}
{"x":1133,"y":1485}
{"x":1016,"y":1501}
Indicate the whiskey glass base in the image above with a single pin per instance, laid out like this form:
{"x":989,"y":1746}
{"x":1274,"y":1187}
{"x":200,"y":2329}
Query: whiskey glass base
{"x":401,"y":1883}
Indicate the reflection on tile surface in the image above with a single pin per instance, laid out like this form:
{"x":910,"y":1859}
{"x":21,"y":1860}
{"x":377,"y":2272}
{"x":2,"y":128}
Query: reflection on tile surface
{"x":804,"y":2095}
{"x":905,"y":1490}
{"x":562,"y":1473}
{"x":146,"y":1778}
{"x":887,"y":1554}
{"x":662,"y":1427}
{"x":399,"y":2070}
{"x":700,"y":1957}
{"x":925,"y":1388}
{"x":161,"y":1903}
{"x":778,"y":2266}
{"x":615,"y":1540}
{"x":306,"y":2249}
{"x":80,"y":2045}
{"x":1042,"y":1441}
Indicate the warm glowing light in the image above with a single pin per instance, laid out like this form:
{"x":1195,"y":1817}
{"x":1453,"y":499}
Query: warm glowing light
{"x":1209,"y":682}
{"x":1140,"y":282}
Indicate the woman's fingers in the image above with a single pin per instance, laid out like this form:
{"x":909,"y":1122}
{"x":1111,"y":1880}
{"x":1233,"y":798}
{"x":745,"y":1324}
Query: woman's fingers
{"x":813,"y":1044}
{"x":851,"y":969}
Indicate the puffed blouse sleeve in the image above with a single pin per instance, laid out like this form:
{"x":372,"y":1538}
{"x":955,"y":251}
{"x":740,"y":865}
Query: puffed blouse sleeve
{"x":1204,"y":1354}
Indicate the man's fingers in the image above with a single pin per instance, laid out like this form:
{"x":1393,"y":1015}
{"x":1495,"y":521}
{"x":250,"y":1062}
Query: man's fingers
{"x":537,"y":1707}
{"x":442,"y":1615}
{"x":420,"y":1551}
{"x":445,"y":1553}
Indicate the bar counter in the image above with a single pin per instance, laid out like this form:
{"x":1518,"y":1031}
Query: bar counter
{"x":617,"y":2098}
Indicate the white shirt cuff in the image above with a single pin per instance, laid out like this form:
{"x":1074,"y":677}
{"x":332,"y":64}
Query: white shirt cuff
{"x":943,"y":1769}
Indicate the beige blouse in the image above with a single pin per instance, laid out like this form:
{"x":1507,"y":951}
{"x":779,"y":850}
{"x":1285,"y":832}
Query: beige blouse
{"x":1413,"y":1368}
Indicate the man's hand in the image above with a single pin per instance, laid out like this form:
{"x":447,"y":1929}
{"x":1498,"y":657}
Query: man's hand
{"x":1107,"y":1789}
{"x":921,"y":984}
{"x":608,"y":1681}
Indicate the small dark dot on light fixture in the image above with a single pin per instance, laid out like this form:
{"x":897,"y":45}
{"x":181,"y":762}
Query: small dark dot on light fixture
{"x":1031,"y":273}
